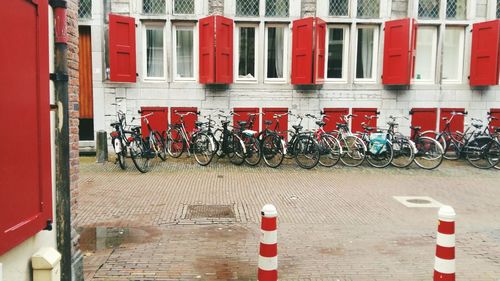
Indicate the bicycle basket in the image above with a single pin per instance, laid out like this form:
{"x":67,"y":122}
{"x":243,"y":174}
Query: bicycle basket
{"x":378,"y":143}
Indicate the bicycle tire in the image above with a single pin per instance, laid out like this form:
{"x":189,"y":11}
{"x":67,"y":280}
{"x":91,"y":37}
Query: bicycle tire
{"x":289,"y":153}
{"x":307,"y":147}
{"x":161,"y":145}
{"x":253,"y":151}
{"x":489,"y":161}
{"x":387,"y":155}
{"x":272,"y":150}
{"x":404,"y":152}
{"x":330,"y":150}
{"x":353,"y":151}
{"x":120,"y":156}
{"x":429,"y":153}
{"x":139,"y":156}
{"x":175,"y":143}
{"x":236,"y":149}
{"x":203,"y":149}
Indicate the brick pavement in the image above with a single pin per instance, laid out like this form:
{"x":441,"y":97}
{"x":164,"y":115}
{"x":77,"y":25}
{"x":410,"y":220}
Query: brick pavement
{"x":334,"y":224}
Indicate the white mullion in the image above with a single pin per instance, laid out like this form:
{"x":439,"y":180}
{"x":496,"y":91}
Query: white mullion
{"x":491,"y":9}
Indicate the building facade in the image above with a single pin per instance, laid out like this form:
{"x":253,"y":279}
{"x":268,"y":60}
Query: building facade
{"x":170,"y":59}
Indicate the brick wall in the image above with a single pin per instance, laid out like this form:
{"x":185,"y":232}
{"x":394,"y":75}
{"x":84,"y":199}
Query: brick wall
{"x":216,"y":7}
{"x":308,"y":8}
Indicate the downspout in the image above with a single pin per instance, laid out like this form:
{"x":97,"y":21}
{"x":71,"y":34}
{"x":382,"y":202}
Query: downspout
{"x":60,"y":78}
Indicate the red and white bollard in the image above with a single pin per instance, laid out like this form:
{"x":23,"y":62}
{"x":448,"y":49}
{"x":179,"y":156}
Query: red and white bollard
{"x":444,"y":264}
{"x":268,"y":256}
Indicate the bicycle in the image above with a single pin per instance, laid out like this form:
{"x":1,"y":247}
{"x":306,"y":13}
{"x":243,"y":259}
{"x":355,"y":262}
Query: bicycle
{"x":302,"y":146}
{"x":379,"y":152}
{"x":329,"y":147}
{"x":229,"y":143}
{"x":353,"y":148}
{"x":252,"y":144}
{"x":119,"y":139}
{"x":272,"y":144}
{"x":450,"y":140}
{"x":403,"y":147}
{"x":429,"y":152}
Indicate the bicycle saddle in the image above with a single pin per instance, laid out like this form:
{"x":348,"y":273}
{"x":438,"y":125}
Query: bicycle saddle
{"x":198,"y":123}
{"x":115,"y":124}
{"x":320,"y":123}
{"x":297,"y":127}
{"x":369,"y":129}
{"x":225,"y":122}
{"x":242,"y":123}
{"x":136,"y":128}
{"x":496,"y":129}
{"x":416,"y":128}
{"x":268,"y":122}
{"x":477,"y":126}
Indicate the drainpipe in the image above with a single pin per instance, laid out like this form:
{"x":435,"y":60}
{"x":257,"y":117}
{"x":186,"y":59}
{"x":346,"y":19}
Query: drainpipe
{"x":60,"y":78}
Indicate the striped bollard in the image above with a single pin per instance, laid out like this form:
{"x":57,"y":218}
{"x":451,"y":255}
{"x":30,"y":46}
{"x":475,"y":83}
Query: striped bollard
{"x":268,"y":256}
{"x":444,"y":264}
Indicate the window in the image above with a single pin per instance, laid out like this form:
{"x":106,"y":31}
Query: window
{"x":277,"y":8}
{"x":337,"y":49}
{"x":453,"y":52}
{"x":155,"y":52}
{"x":425,"y":56}
{"x":183,"y":7}
{"x":85,"y":9}
{"x":184,"y":52}
{"x":247,"y":8}
{"x":456,"y":9}
{"x":153,"y":7}
{"x":276,"y":42}
{"x":428,"y":9}
{"x":338,"y":8}
{"x":368,"y":8}
{"x":366,"y":53}
{"x":246,"y":46}
{"x":498,"y":9}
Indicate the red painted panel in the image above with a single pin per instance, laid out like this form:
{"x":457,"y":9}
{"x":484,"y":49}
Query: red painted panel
{"x":244,"y":112}
{"x":319,"y":51}
{"x":158,"y":121}
{"x":188,"y":120}
{"x":457,"y":124}
{"x":398,"y":50}
{"x":495,"y":112}
{"x":302,"y":51}
{"x":484,"y":66}
{"x":122,"y":48}
{"x":207,"y":50}
{"x":268,"y":115}
{"x":223,"y":50}
{"x":360,"y":118}
{"x":425,"y":118}
{"x":26,"y":185}
{"x":333,"y":116}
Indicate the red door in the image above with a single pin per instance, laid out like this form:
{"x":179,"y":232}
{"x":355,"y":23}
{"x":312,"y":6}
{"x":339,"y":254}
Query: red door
{"x":26,"y":184}
{"x":158,"y":121}
{"x":333,"y":116}
{"x":269,"y":114}
{"x":189,"y":120}
{"x":361,"y":114}
{"x":495,"y":112}
{"x":457,"y":124}
{"x":244,"y":112}
{"x":425,"y":118}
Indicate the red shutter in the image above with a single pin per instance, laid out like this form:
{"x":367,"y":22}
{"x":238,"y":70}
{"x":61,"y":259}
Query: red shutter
{"x":268,"y":115}
{"x":223,"y":50}
{"x":424,"y":117}
{"x":26,"y":185}
{"x":360,"y":118}
{"x":302,"y":49}
{"x":334,"y":116}
{"x":207,"y":50}
{"x":495,"y":112}
{"x":158,"y":121}
{"x":484,"y":53}
{"x":244,"y":112}
{"x":457,"y":124}
{"x":122,"y":48}
{"x":188,"y":120}
{"x":319,"y":51}
{"x":399,"y":36}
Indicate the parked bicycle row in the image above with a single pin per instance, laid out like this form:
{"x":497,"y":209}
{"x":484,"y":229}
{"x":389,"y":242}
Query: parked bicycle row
{"x":215,"y":136}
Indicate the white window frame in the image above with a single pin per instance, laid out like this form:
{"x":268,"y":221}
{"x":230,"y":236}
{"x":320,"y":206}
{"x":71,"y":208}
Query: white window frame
{"x":184,"y":26}
{"x":285,"y":54}
{"x":345,"y":55}
{"x":433,"y":56}
{"x":376,"y":42}
{"x":236,"y":58}
{"x":146,"y":26}
{"x":460,"y":58}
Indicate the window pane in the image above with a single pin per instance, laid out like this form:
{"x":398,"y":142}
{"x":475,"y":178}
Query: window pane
{"x":428,"y":9}
{"x":246,"y":65}
{"x":498,"y":9}
{"x":424,"y":57}
{"x":275,"y":52}
{"x":368,"y":8}
{"x":338,"y":8}
{"x":155,"y":7}
{"x":154,"y":52}
{"x":277,"y":8}
{"x":184,"y":51}
{"x":364,"y":60}
{"x":455,"y":9}
{"x":452,"y":53}
{"x":184,"y":7}
{"x":247,"y":7}
{"x":85,"y":9}
{"x":335,"y":53}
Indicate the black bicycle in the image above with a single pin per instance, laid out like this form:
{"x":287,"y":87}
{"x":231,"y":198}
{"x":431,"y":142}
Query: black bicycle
{"x":302,"y":146}
{"x":249,"y":137}
{"x":228,"y":143}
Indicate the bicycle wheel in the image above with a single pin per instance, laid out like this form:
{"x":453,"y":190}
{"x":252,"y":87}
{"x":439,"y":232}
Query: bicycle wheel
{"x":429,"y":153}
{"x":451,"y":145}
{"x":160,"y":146}
{"x":330,"y":151}
{"x":382,"y":158}
{"x":272,"y":150}
{"x":403,"y":152}
{"x":203,"y":149}
{"x":175,"y":143}
{"x":289,"y":152}
{"x":139,"y":155}
{"x":483,"y":154}
{"x":121,"y":152}
{"x":353,"y":151}
{"x":217,"y":137}
{"x":236,"y":149}
{"x":252,"y":146}
{"x":306,"y":151}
